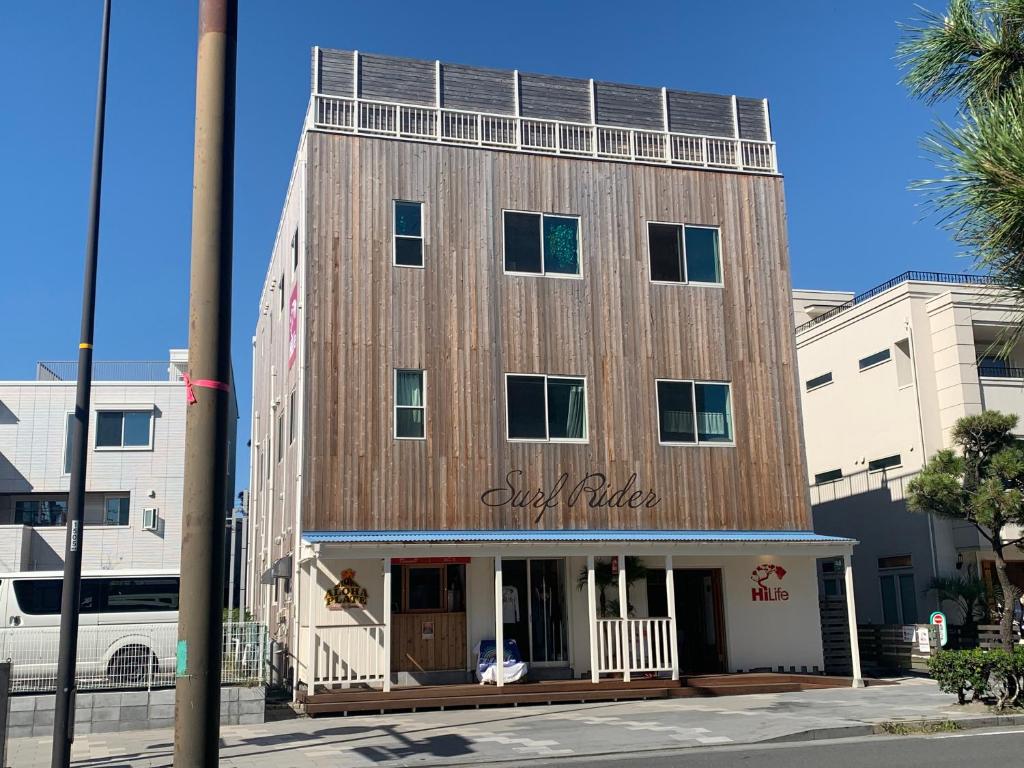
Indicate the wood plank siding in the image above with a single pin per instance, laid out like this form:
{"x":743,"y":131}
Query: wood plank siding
{"x":466,"y":323}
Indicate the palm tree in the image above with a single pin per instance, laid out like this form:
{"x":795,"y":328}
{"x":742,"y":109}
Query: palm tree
{"x":966,"y":592}
{"x":603,"y":579}
{"x":973,"y":56}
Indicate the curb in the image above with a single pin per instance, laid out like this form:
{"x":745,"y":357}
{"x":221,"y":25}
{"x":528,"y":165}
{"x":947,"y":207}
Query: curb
{"x":878,"y":729}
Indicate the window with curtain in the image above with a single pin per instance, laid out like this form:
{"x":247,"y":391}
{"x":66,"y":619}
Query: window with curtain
{"x":541,"y":243}
{"x":410,"y":405}
{"x":714,"y":413}
{"x":694,"y":412}
{"x":408,"y":234}
{"x":542,"y":407}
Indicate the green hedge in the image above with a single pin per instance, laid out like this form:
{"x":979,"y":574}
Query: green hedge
{"x":993,"y":674}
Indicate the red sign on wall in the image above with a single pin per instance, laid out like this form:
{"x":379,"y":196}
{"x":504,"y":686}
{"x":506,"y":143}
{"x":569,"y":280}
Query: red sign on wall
{"x":765,"y":591}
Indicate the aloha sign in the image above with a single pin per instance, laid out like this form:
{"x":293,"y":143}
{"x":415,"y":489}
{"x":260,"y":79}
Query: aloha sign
{"x":346,"y":593}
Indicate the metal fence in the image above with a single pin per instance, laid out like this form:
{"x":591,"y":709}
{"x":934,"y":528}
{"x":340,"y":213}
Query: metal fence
{"x":112,"y":370}
{"x":950,"y":278}
{"x":113,"y":656}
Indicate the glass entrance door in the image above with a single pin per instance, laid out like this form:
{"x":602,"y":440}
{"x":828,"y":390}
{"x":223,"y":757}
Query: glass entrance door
{"x":534,"y":609}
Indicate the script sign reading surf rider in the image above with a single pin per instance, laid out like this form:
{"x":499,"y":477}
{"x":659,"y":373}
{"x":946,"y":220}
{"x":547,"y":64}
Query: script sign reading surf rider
{"x":593,"y":489}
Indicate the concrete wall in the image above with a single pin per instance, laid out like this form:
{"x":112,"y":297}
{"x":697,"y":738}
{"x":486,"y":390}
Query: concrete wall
{"x":116,"y":711}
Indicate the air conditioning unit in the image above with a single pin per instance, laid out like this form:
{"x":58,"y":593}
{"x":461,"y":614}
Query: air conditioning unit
{"x":150,"y":520}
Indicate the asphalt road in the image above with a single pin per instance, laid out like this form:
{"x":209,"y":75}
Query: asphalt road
{"x":965,"y":749}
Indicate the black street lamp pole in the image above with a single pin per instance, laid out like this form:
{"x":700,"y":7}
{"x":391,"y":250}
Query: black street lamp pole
{"x":64,"y":714}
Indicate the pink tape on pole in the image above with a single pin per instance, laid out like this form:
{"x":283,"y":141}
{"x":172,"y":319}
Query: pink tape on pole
{"x":190,"y":394}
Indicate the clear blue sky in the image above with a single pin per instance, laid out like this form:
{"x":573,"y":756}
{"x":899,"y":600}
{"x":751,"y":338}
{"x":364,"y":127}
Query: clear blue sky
{"x":847,"y":135}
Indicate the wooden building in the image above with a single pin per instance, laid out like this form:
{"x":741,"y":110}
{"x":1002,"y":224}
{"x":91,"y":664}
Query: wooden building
{"x":524,"y":369}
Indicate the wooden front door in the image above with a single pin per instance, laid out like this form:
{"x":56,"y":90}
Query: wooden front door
{"x":428,"y":642}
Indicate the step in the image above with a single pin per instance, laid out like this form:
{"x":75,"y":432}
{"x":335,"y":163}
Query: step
{"x":367,"y":704}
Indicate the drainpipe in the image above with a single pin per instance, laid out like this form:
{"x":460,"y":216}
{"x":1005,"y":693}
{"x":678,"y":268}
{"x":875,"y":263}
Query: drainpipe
{"x":924,"y":448}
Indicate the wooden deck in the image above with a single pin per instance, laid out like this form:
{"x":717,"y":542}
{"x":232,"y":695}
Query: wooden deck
{"x":413,"y":698}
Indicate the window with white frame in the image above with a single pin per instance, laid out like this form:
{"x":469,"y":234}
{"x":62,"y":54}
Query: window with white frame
{"x":69,"y":434}
{"x":408,"y":234}
{"x":124,"y":429}
{"x":292,"y":420}
{"x":692,"y":412}
{"x":684,"y":253}
{"x":541,"y":243}
{"x":410,"y":404}
{"x":539,"y":407}
{"x":116,"y":510}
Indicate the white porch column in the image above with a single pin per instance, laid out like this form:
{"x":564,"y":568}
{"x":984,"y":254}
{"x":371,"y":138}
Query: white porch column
{"x":851,"y":615}
{"x":387,"y":624}
{"x":311,"y":571}
{"x":592,"y":619}
{"x":670,"y":597}
{"x":627,"y":651}
{"x":499,"y":625}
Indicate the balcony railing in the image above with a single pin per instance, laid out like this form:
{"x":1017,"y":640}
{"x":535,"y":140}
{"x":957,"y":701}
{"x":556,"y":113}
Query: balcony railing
{"x":114,"y":370}
{"x":1001,"y":371}
{"x":527,"y":134}
{"x":951,"y":278}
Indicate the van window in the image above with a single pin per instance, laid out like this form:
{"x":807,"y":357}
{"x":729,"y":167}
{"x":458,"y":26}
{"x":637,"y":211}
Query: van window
{"x":41,"y":597}
{"x":130,"y":595}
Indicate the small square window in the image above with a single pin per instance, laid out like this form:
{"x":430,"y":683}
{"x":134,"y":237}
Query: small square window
{"x":116,"y":510}
{"x":694,"y":412}
{"x":410,"y":405}
{"x":124,"y":429}
{"x":408,"y":234}
{"x":683,"y":253}
{"x":546,"y":407}
{"x":541,"y":244}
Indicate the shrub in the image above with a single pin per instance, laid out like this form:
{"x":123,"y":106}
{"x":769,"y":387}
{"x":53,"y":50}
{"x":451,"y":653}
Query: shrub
{"x":994,"y":673}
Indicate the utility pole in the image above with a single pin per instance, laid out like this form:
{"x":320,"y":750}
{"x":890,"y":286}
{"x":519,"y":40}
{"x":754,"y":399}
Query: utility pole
{"x":64,"y":709}
{"x":197,"y":695}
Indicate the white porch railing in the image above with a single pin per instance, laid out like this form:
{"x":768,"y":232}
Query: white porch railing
{"x":639,"y":645}
{"x":527,"y":134}
{"x":346,"y":654}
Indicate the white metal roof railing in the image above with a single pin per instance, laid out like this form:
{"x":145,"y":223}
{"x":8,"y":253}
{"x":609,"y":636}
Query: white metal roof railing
{"x":528,"y":134}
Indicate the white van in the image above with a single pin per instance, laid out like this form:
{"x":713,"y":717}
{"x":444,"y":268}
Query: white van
{"x":127,"y":631}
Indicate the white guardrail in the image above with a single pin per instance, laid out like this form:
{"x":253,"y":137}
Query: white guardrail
{"x":527,"y":134}
{"x":126,"y":656}
{"x":351,"y":653}
{"x":645,"y":645}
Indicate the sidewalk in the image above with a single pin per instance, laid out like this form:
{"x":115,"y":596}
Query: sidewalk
{"x":475,"y":737}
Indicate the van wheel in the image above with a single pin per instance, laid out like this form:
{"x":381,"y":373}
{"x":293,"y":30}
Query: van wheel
{"x":132,"y":665}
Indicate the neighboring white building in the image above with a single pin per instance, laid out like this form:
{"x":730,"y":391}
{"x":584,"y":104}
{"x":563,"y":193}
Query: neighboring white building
{"x":884,"y":377}
{"x":135,"y":468}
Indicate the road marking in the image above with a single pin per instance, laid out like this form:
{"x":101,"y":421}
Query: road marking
{"x":1017,"y":731}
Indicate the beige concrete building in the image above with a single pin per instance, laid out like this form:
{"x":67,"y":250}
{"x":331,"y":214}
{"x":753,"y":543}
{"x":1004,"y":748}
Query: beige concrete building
{"x":884,"y":377}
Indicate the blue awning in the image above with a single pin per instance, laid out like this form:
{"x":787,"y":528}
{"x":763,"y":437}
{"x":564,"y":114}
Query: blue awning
{"x":575,"y":535}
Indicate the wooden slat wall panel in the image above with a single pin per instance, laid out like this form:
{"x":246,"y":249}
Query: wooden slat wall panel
{"x":391,"y":78}
{"x":753,"y":124}
{"x":410,"y":652}
{"x":554,"y":98}
{"x":467,"y":324}
{"x":629,"y":106}
{"x":335,"y":68}
{"x":702,"y":113}
{"x":477,"y":89}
